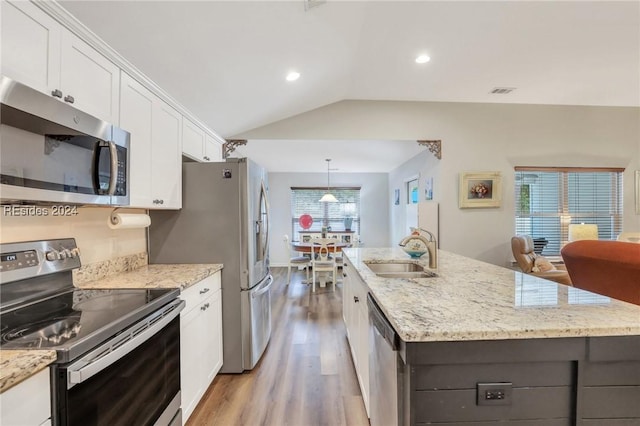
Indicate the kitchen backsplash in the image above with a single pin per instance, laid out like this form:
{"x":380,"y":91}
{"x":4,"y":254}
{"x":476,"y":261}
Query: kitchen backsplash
{"x":88,"y":225}
{"x":97,"y":270}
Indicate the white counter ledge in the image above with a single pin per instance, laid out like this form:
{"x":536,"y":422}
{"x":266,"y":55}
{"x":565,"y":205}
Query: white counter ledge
{"x":474,"y":300}
{"x":179,"y":276}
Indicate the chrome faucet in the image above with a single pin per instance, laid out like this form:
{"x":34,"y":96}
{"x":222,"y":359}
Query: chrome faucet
{"x":431,"y":243}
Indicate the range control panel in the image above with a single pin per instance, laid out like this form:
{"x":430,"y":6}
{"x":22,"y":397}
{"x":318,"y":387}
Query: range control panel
{"x":17,"y":260}
{"x":32,"y":258}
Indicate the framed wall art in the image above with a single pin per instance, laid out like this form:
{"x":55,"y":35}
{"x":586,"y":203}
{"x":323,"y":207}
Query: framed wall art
{"x":428,"y":188}
{"x":480,"y":189}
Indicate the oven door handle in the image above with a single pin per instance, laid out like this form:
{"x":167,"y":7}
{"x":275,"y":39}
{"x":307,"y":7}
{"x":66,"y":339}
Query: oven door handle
{"x":122,"y":344}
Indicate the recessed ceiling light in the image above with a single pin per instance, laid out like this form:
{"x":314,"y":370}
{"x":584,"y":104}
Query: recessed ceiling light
{"x":293,"y":76}
{"x":423,"y":59}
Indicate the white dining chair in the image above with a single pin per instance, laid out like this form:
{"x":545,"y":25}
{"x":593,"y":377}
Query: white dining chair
{"x":296,"y":261}
{"x":322,"y":259}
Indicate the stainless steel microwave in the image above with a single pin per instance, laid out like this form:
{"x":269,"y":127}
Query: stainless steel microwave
{"x":52,"y":152}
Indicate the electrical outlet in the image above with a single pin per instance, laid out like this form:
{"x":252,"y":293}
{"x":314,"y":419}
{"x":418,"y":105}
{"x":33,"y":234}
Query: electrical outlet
{"x":494,"y":393}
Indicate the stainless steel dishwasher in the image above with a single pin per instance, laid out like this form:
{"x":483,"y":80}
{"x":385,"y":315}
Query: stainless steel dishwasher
{"x":385,"y":377}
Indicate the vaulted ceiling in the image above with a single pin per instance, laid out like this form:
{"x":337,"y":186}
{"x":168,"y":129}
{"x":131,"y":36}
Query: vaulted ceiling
{"x":226,"y":61}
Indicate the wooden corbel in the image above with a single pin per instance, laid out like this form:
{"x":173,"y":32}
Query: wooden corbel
{"x":434,"y":146}
{"x":230,"y":145}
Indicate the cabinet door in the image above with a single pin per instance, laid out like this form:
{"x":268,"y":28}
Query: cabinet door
{"x":362,"y":349}
{"x":213,"y":338}
{"x":347,"y":301}
{"x":192,"y":140}
{"x":155,"y":171}
{"x":356,"y":318}
{"x":191,"y":354}
{"x":30,"y":46}
{"x":136,"y":117}
{"x":165,"y":156}
{"x":212,"y":149}
{"x":88,"y":80}
{"x":27,"y":403}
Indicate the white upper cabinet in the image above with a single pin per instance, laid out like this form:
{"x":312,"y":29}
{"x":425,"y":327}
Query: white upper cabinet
{"x":39,"y":52}
{"x":167,"y":162}
{"x":89,"y":80}
{"x":199,"y":145}
{"x":192,"y":140}
{"x":155,"y":162}
{"x":30,"y":46}
{"x":212,"y":149}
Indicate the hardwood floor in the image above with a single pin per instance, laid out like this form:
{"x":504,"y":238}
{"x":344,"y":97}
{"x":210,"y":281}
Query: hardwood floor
{"x":305,"y":377}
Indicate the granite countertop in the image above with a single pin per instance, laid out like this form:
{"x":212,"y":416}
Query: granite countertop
{"x":179,"y":276}
{"x":474,"y":300}
{"x":17,"y":365}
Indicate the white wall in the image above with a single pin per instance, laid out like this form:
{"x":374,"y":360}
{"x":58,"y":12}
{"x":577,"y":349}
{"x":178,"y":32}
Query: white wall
{"x":422,"y":166}
{"x":481,"y":137}
{"x":374,"y":200}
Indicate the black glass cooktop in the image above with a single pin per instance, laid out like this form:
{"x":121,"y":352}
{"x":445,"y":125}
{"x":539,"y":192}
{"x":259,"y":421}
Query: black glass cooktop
{"x":78,"y":319}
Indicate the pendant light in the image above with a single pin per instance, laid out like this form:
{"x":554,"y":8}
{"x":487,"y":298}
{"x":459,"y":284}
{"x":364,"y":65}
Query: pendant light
{"x":328,"y":197}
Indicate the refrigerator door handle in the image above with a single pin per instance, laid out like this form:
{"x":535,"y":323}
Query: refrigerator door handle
{"x":263,"y":195}
{"x":263,"y":288}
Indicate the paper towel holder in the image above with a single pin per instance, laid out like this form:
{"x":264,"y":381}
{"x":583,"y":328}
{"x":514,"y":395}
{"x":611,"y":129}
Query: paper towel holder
{"x":128,"y":220}
{"x":113,"y":217}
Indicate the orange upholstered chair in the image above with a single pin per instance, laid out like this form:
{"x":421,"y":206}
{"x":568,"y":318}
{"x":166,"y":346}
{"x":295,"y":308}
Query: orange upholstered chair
{"x":610,"y":268}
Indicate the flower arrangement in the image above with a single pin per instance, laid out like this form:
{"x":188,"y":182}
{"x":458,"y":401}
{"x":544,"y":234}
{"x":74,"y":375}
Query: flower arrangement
{"x":479,"y":190}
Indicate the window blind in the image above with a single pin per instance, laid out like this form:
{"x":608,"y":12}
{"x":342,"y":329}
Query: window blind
{"x":305,"y":201}
{"x":549,"y":200}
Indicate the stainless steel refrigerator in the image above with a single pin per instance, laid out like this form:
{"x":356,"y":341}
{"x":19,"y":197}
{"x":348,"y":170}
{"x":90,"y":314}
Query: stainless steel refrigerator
{"x":225,"y":219}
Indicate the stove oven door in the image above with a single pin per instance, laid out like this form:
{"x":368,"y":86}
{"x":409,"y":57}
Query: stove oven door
{"x":133,"y":379}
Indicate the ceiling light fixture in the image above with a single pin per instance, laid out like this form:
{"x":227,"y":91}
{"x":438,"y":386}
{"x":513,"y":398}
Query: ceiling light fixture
{"x":423,"y":59}
{"x":293,"y":76}
{"x":328,"y":197}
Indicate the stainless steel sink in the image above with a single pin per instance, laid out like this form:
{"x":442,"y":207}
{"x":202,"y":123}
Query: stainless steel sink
{"x":400,"y":270}
{"x":395,"y":267}
{"x":414,"y":274}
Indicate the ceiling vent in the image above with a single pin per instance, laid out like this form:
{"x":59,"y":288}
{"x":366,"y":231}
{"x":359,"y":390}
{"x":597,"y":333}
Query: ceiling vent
{"x":309,"y":4}
{"x":502,"y":90}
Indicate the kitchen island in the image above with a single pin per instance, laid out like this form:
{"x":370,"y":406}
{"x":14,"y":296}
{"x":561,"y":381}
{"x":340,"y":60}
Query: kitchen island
{"x":559,"y":355}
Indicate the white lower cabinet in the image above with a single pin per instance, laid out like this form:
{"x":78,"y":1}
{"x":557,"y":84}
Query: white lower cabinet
{"x":27,"y":403}
{"x":356,"y":319}
{"x":200,"y":340}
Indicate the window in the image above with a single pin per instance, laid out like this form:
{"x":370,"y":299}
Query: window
{"x":335,"y":215}
{"x":548,"y":200}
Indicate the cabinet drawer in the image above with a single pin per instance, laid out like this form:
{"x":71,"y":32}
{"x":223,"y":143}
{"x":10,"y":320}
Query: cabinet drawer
{"x":611,"y":402}
{"x":540,"y":403}
{"x":466,"y":376}
{"x":200,"y":291}
{"x":611,"y":374}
